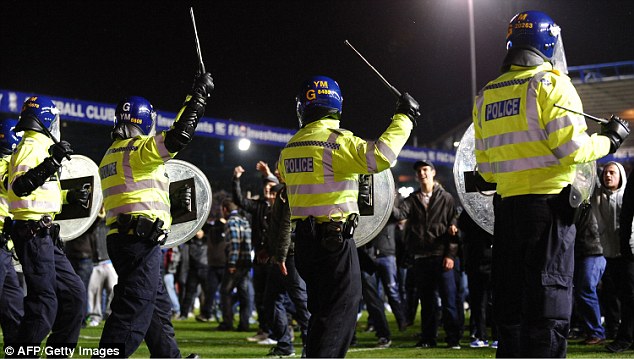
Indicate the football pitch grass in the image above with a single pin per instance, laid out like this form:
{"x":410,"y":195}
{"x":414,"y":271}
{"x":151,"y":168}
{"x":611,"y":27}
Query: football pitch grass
{"x":204,"y":340}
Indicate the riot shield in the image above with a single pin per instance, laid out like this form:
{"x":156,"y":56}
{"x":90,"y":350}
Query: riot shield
{"x":186,"y":222}
{"x":374,"y":216}
{"x":75,"y":219}
{"x":478,"y":204}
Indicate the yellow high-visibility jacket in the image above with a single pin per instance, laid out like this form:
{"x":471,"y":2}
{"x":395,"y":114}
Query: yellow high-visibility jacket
{"x":44,"y":200}
{"x":522,"y":141}
{"x":321,"y":163}
{"x":134,"y":181}
{"x":4,"y":192}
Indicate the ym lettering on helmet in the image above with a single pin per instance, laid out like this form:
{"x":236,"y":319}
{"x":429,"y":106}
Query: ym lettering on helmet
{"x":319,"y":96}
{"x":134,"y":116}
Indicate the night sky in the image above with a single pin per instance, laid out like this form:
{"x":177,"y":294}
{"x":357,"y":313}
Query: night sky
{"x":260,"y":51}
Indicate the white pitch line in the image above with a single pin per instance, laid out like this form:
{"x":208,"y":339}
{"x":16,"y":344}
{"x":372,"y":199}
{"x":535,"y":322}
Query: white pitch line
{"x":364,"y":349}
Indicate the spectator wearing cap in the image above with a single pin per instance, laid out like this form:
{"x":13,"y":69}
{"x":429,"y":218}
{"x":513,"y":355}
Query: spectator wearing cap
{"x":431,"y":237}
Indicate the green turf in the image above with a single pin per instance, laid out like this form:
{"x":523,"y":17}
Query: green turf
{"x":201,"y":338}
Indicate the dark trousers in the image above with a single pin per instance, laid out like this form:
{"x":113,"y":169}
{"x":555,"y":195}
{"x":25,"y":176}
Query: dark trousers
{"x":240,"y":281}
{"x":83,"y":267}
{"x":11,"y":297}
{"x":432,"y":280}
{"x":374,"y":305}
{"x":462,"y":291}
{"x":479,"y":297}
{"x":196,"y":276}
{"x":56,"y":297}
{"x":141,"y":307}
{"x":386,"y":271}
{"x":412,"y":296}
{"x":214,"y":279}
{"x":609,"y":298}
{"x":533,"y":266}
{"x":278,"y":285}
{"x":333,"y":282}
{"x":625,"y":290}
{"x":259,"y":281}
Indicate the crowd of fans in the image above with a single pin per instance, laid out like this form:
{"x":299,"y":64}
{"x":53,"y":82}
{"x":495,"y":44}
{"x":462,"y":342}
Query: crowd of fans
{"x":220,"y":273}
{"x":230,"y":264}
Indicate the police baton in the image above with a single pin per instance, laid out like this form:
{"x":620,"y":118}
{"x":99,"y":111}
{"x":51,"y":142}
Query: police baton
{"x":597,"y":119}
{"x":393,"y":89}
{"x":201,"y":65}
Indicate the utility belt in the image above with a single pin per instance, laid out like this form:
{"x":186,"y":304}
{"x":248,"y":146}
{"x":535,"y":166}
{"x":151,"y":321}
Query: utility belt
{"x":31,"y":228}
{"x":142,"y":227}
{"x":331,"y":234}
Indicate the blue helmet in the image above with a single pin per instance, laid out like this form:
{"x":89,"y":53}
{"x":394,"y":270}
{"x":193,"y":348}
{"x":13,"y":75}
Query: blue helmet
{"x":39,"y":108}
{"x":533,"y":30}
{"x":9,"y":139}
{"x":134,"y":116}
{"x":319,"y":96}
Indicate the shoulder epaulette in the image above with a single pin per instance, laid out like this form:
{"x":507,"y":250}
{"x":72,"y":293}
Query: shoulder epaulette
{"x":341,"y":131}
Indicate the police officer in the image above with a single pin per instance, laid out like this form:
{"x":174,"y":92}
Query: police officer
{"x":56,"y":297}
{"x":320,"y":166}
{"x":136,"y":198}
{"x":529,"y":147}
{"x":11,"y":293}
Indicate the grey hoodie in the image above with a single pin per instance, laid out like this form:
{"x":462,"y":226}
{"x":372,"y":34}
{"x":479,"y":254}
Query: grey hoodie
{"x":606,"y":205}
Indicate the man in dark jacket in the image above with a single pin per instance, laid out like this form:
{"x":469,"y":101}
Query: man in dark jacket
{"x":373,"y":302}
{"x":285,"y":279}
{"x":217,"y":261}
{"x":478,"y":259}
{"x":260,"y":210}
{"x":431,"y":238}
{"x":384,"y":253}
{"x":197,"y":275}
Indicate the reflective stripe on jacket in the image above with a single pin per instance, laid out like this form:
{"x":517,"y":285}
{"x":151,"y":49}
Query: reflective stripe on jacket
{"x":44,"y":200}
{"x":4,"y":195}
{"x":522,"y":141}
{"x":134,"y":181}
{"x":321,"y":162}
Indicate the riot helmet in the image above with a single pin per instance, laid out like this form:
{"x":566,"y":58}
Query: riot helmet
{"x":537,"y":32}
{"x":319,"y":96}
{"x":133,"y":117}
{"x":9,"y":139}
{"x":38,"y":111}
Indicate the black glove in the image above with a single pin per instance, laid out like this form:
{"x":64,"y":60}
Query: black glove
{"x":616,"y":130}
{"x":364,"y":190}
{"x":408,"y":106}
{"x":203,"y":85}
{"x":59,"y":151}
{"x":78,"y":196}
{"x":181,"y":199}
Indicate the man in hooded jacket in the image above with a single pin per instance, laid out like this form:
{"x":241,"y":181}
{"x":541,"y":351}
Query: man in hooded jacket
{"x":615,"y":205}
{"x":606,"y":205}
